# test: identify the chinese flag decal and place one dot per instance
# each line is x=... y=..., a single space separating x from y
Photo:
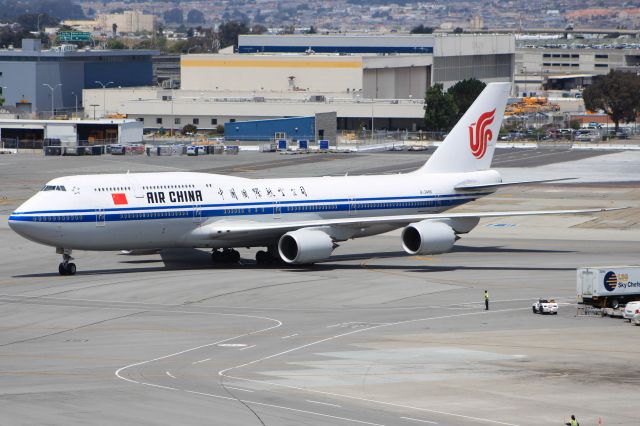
x=119 y=199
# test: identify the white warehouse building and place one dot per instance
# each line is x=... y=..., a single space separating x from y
x=376 y=80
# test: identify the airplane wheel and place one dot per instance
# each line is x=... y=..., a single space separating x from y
x=62 y=270
x=71 y=269
x=234 y=256
x=262 y=257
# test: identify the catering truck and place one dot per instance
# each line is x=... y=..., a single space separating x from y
x=608 y=286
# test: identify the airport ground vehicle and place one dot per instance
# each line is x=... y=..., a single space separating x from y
x=630 y=310
x=545 y=306
x=608 y=286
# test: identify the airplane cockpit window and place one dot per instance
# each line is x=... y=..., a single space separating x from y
x=54 y=188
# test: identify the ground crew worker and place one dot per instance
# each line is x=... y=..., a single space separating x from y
x=486 y=300
x=573 y=421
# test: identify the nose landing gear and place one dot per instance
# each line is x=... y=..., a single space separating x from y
x=66 y=267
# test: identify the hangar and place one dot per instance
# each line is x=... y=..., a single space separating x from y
x=17 y=133
x=378 y=81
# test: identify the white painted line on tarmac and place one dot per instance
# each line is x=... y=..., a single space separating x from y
x=355 y=398
x=323 y=403
x=232 y=345
x=202 y=360
x=170 y=375
x=291 y=335
x=238 y=389
x=419 y=420
x=334 y=325
x=248 y=347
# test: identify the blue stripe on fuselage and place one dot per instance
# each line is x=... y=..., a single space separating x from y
x=242 y=209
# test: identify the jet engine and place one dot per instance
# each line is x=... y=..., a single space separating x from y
x=428 y=237
x=305 y=246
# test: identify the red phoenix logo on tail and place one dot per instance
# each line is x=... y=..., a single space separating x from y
x=480 y=134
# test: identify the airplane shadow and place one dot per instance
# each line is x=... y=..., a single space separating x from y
x=193 y=259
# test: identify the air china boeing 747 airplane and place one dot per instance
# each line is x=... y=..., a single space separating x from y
x=299 y=221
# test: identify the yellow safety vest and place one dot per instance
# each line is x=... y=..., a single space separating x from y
x=486 y=296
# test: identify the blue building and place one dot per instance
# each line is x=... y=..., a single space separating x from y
x=337 y=44
x=32 y=79
x=294 y=129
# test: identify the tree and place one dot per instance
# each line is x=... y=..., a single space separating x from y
x=30 y=21
x=195 y=17
x=617 y=94
x=464 y=93
x=228 y=32
x=115 y=44
x=421 y=29
x=458 y=30
x=312 y=30
x=440 y=109
x=189 y=129
x=259 y=29
x=173 y=16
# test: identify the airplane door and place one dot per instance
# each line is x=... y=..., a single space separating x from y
x=137 y=189
x=352 y=206
x=277 y=209
x=100 y=217
x=197 y=214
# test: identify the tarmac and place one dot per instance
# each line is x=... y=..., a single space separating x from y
x=370 y=337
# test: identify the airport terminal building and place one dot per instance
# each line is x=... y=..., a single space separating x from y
x=367 y=81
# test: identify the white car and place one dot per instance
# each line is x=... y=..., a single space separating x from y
x=545 y=306
x=630 y=310
x=636 y=319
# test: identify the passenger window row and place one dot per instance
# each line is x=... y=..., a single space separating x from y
x=119 y=188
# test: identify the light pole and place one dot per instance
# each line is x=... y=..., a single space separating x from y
x=52 y=88
x=38 y=24
x=74 y=94
x=104 y=96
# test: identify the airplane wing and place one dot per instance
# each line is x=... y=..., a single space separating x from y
x=474 y=187
x=231 y=229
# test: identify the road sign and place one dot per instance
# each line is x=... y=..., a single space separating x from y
x=74 y=36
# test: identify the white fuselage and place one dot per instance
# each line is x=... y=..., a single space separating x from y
x=163 y=210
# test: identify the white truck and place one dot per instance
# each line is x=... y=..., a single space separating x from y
x=608 y=286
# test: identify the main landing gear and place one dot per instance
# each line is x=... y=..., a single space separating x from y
x=268 y=257
x=66 y=267
x=225 y=256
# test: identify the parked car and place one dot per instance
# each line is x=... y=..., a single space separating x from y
x=586 y=137
x=545 y=306
x=118 y=149
x=630 y=310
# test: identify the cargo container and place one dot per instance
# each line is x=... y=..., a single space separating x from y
x=608 y=286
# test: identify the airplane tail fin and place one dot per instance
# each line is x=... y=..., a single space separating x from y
x=470 y=145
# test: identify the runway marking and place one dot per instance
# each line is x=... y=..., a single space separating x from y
x=473 y=418
x=323 y=403
x=168 y=373
x=248 y=347
x=149 y=306
x=419 y=420
x=232 y=345
x=238 y=389
x=201 y=361
x=291 y=335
